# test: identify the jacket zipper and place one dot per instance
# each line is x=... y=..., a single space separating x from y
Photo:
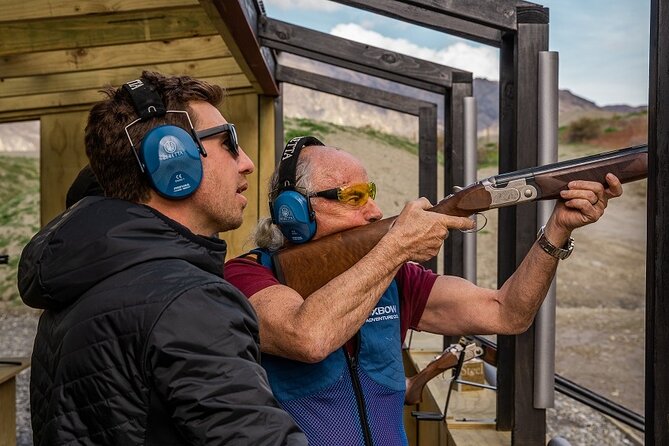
x=352 y=362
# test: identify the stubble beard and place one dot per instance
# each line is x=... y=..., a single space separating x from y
x=230 y=218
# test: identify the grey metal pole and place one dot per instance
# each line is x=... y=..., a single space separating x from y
x=470 y=161
x=544 y=335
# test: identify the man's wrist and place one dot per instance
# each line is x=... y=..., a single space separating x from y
x=391 y=248
x=560 y=253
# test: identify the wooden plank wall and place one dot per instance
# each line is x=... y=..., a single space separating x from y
x=56 y=56
x=62 y=155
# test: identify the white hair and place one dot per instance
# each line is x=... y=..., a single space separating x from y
x=267 y=235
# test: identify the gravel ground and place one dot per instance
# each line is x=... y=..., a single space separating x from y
x=571 y=420
x=17 y=332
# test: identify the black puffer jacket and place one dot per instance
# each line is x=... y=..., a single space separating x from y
x=142 y=341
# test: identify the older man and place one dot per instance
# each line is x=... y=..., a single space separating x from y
x=333 y=365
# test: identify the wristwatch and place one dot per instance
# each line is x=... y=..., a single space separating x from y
x=558 y=253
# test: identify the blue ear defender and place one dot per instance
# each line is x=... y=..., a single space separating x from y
x=172 y=161
x=292 y=213
x=291 y=210
x=168 y=155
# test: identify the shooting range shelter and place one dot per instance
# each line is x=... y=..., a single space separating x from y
x=57 y=55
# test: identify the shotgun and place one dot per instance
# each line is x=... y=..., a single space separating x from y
x=308 y=267
x=445 y=361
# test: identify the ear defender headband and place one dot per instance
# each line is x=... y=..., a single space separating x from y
x=291 y=210
x=168 y=154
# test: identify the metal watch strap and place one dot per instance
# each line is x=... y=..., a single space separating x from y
x=552 y=250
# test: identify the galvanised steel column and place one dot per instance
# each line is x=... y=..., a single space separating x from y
x=544 y=334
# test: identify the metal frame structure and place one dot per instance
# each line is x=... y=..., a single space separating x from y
x=520 y=30
x=452 y=83
x=57 y=55
x=426 y=112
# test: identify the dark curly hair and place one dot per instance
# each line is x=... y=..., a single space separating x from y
x=107 y=145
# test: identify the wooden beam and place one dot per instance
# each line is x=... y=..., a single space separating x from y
x=21 y=105
x=657 y=274
x=13 y=11
x=37 y=113
x=30 y=115
x=83 y=80
x=498 y=14
x=357 y=56
x=354 y=66
x=230 y=19
x=350 y=90
x=108 y=29
x=425 y=17
x=115 y=56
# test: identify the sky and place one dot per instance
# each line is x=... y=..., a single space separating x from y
x=603 y=45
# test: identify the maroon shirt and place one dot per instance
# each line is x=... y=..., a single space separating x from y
x=414 y=284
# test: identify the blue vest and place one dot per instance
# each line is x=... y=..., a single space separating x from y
x=348 y=400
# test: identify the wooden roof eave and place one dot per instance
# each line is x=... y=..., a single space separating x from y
x=237 y=23
x=56 y=60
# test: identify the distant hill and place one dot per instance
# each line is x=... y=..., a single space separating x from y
x=570 y=108
x=19 y=136
x=304 y=103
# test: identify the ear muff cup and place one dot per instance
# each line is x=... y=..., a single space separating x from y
x=172 y=161
x=292 y=213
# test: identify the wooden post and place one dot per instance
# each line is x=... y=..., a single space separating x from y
x=9 y=368
x=454 y=175
x=62 y=155
x=519 y=59
x=427 y=160
x=454 y=171
x=657 y=275
x=242 y=110
x=279 y=135
x=266 y=151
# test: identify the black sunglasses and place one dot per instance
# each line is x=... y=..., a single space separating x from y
x=233 y=142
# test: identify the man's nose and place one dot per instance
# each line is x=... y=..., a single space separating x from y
x=244 y=163
x=372 y=211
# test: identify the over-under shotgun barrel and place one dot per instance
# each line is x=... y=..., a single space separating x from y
x=308 y=267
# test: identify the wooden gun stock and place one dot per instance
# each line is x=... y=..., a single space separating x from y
x=447 y=360
x=308 y=267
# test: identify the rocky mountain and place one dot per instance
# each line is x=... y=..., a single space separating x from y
x=304 y=103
